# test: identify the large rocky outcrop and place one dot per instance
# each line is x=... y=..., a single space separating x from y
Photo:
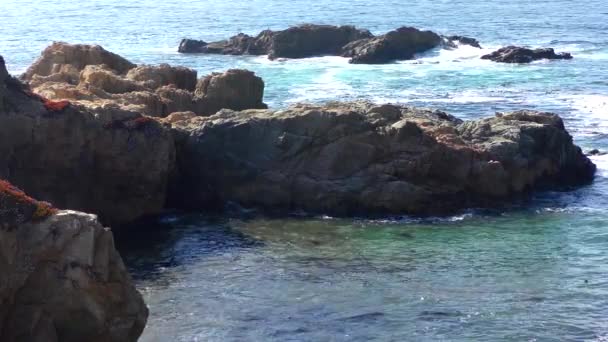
x=400 y=44
x=359 y=158
x=106 y=160
x=62 y=279
x=516 y=54
x=318 y=40
x=102 y=79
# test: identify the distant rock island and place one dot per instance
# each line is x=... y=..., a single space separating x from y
x=360 y=45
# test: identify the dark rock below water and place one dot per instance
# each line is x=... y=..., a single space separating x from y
x=353 y=158
x=62 y=279
x=400 y=44
x=516 y=54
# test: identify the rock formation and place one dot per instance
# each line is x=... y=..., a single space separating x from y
x=98 y=79
x=359 y=158
x=400 y=44
x=516 y=54
x=235 y=89
x=62 y=279
x=310 y=40
x=108 y=161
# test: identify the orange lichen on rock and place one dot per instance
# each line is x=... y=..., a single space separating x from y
x=16 y=207
x=55 y=106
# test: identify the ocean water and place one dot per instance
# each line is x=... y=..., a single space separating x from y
x=536 y=271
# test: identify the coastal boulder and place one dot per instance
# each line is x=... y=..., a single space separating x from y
x=191 y=46
x=234 y=89
x=465 y=41
x=400 y=44
x=361 y=158
x=62 y=278
x=516 y=54
x=156 y=76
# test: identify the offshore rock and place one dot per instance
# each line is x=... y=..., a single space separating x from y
x=360 y=158
x=400 y=44
x=516 y=54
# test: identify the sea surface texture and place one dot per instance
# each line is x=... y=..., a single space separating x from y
x=535 y=271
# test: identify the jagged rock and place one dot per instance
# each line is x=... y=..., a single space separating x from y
x=234 y=89
x=465 y=40
x=62 y=279
x=516 y=54
x=59 y=57
x=105 y=160
x=150 y=90
x=400 y=44
x=359 y=158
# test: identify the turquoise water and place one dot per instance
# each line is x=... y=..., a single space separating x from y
x=533 y=272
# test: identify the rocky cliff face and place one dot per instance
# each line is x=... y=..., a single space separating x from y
x=359 y=158
x=109 y=161
x=62 y=279
x=97 y=79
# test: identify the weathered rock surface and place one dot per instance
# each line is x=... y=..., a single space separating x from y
x=516 y=54
x=107 y=160
x=62 y=279
x=150 y=90
x=318 y=40
x=359 y=158
x=400 y=44
x=235 y=89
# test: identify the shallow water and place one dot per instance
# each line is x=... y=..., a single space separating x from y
x=533 y=272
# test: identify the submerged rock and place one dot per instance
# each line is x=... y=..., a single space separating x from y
x=516 y=54
x=150 y=90
x=62 y=279
x=359 y=158
x=400 y=44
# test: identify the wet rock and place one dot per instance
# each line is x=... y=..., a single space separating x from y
x=191 y=46
x=234 y=89
x=400 y=44
x=516 y=54
x=359 y=158
x=62 y=279
x=465 y=40
x=596 y=152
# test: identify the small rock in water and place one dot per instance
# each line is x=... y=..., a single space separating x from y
x=596 y=152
